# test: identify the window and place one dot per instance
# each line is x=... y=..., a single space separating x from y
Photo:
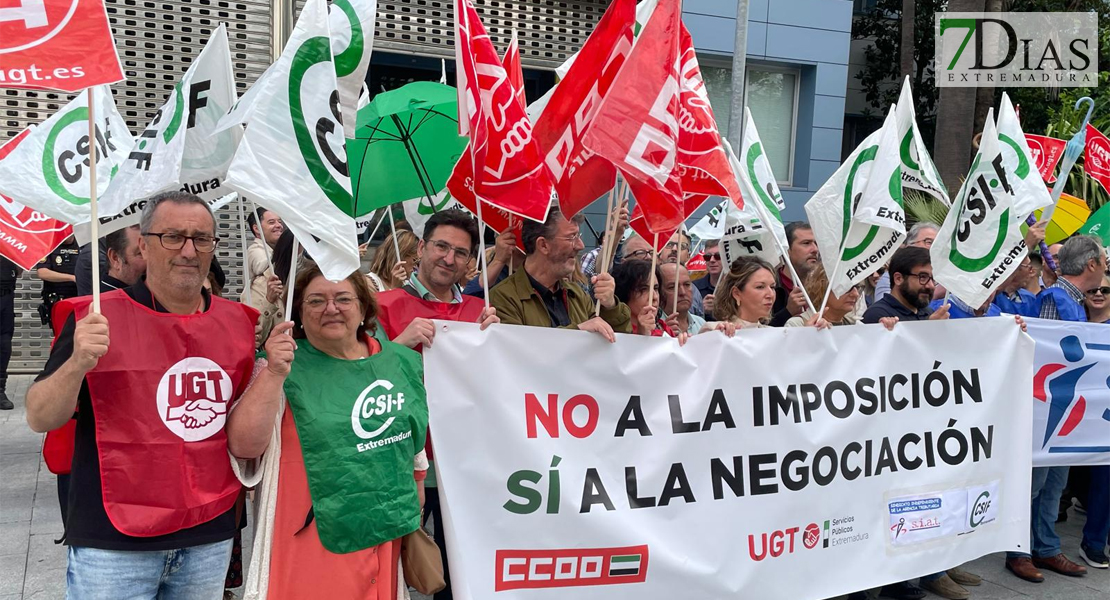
x=772 y=97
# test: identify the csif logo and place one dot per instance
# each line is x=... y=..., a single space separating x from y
x=983 y=187
x=377 y=407
x=860 y=171
x=1037 y=49
x=316 y=118
x=65 y=156
x=980 y=509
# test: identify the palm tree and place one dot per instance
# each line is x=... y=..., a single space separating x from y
x=956 y=120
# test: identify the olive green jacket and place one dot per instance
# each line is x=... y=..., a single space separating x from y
x=518 y=303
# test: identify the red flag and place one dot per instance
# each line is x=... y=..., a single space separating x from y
x=696 y=264
x=639 y=224
x=581 y=176
x=51 y=45
x=1096 y=157
x=506 y=165
x=637 y=125
x=515 y=70
x=26 y=236
x=1046 y=153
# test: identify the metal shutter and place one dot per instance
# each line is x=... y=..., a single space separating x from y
x=156 y=42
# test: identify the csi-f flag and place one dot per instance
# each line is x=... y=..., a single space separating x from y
x=757 y=181
x=292 y=157
x=179 y=148
x=49 y=170
x=352 y=42
x=857 y=215
x=1029 y=190
x=918 y=170
x=980 y=243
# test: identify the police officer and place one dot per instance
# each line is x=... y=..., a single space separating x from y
x=9 y=273
x=57 y=274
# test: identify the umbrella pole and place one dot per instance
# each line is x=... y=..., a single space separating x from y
x=393 y=229
x=405 y=138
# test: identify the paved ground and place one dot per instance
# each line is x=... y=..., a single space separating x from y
x=33 y=567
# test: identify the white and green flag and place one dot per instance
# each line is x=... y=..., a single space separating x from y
x=980 y=244
x=293 y=158
x=859 y=211
x=179 y=149
x=1030 y=192
x=918 y=170
x=352 y=42
x=49 y=170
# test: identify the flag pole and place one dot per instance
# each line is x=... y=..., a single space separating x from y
x=603 y=254
x=836 y=269
x=482 y=248
x=512 y=251
x=94 y=223
x=243 y=244
x=678 y=251
x=654 y=263
x=393 y=231
x=290 y=284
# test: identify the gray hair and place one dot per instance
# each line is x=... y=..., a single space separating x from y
x=1076 y=253
x=915 y=232
x=177 y=197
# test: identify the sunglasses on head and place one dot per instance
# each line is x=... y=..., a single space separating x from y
x=1104 y=290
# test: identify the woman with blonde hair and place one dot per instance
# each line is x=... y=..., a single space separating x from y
x=839 y=310
x=745 y=294
x=386 y=270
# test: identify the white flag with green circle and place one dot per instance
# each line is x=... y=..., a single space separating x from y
x=980 y=244
x=179 y=149
x=352 y=42
x=1030 y=192
x=918 y=170
x=857 y=216
x=293 y=158
x=49 y=170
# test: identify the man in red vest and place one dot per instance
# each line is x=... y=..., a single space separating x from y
x=152 y=493
x=431 y=292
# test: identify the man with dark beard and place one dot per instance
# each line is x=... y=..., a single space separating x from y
x=911 y=274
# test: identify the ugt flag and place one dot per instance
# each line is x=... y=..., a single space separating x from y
x=179 y=148
x=1096 y=156
x=980 y=243
x=858 y=212
x=27 y=235
x=292 y=157
x=918 y=170
x=1071 y=393
x=503 y=165
x=49 y=170
x=1047 y=152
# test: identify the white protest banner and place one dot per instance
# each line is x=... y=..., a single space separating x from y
x=721 y=470
x=49 y=170
x=1071 y=393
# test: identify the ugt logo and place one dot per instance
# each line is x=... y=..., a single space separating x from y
x=1057 y=385
x=193 y=397
x=27 y=23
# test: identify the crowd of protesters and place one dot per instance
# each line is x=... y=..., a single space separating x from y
x=162 y=519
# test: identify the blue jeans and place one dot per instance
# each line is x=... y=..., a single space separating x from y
x=195 y=573
x=1097 y=503
x=1048 y=486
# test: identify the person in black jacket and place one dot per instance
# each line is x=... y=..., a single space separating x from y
x=9 y=274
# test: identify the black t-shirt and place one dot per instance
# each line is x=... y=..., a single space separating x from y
x=87 y=523
x=555 y=301
x=62 y=260
x=9 y=273
x=889 y=306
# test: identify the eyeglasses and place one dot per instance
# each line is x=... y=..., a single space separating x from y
x=442 y=248
x=709 y=257
x=674 y=245
x=343 y=303
x=571 y=238
x=1104 y=290
x=638 y=255
x=923 y=278
x=176 y=241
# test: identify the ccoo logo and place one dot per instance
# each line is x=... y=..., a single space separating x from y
x=193 y=397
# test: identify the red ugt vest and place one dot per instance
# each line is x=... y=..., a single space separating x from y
x=160 y=399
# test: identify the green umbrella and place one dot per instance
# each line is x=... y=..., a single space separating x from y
x=406 y=144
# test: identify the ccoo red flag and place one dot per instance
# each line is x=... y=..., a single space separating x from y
x=515 y=70
x=27 y=234
x=1046 y=153
x=506 y=167
x=1096 y=157
x=581 y=176
x=639 y=224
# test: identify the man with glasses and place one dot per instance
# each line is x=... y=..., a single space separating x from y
x=911 y=272
x=542 y=294
x=432 y=292
x=152 y=492
x=706 y=285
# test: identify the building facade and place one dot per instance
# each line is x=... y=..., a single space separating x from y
x=797 y=74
